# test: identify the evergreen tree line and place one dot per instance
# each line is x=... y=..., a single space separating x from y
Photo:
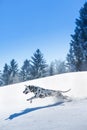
x=34 y=68
x=77 y=56
x=76 y=59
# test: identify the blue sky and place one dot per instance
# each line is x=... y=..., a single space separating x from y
x=26 y=25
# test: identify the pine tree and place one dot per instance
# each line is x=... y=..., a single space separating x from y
x=13 y=71
x=1 y=79
x=38 y=65
x=77 y=56
x=60 y=67
x=6 y=75
x=26 y=70
x=51 y=69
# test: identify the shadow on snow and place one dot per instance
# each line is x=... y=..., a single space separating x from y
x=31 y=110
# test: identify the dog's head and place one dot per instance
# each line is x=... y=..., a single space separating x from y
x=27 y=89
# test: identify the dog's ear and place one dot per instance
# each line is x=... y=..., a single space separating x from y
x=29 y=86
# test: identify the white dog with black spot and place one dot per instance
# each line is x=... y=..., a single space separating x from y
x=42 y=93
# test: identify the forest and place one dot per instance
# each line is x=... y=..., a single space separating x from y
x=37 y=67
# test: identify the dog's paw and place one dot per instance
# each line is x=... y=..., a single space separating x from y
x=27 y=99
x=30 y=101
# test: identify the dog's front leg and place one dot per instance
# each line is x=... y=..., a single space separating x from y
x=30 y=99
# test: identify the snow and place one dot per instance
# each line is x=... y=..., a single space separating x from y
x=49 y=113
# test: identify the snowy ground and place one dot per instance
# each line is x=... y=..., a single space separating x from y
x=49 y=113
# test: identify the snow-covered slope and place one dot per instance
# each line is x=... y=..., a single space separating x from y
x=49 y=113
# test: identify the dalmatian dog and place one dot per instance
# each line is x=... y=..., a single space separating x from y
x=42 y=93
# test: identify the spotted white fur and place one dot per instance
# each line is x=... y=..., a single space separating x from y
x=42 y=93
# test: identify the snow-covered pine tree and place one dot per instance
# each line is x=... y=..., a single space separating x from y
x=13 y=72
x=77 y=56
x=38 y=65
x=51 y=69
x=57 y=67
x=25 y=73
x=1 y=79
x=60 y=67
x=6 y=75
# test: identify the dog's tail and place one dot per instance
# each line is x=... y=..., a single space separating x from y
x=65 y=91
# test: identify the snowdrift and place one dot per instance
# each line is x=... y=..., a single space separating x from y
x=13 y=94
x=77 y=82
x=18 y=114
